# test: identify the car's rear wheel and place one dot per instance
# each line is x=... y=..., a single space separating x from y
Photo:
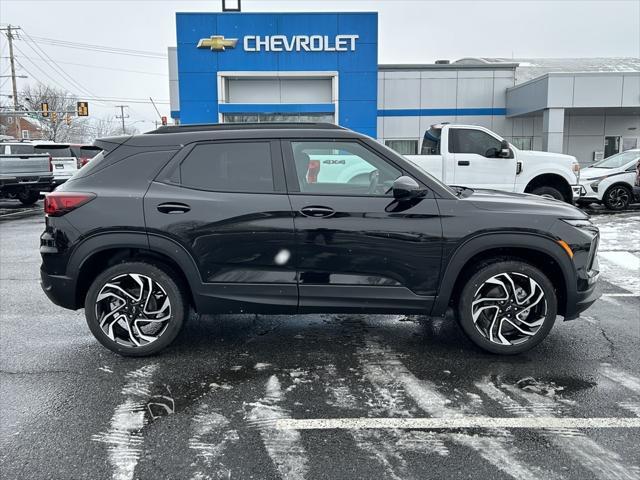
x=617 y=197
x=28 y=197
x=507 y=307
x=136 y=308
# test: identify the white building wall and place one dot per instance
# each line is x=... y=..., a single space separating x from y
x=441 y=89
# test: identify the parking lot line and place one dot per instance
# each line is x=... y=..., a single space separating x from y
x=454 y=423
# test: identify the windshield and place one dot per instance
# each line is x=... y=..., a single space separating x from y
x=618 y=160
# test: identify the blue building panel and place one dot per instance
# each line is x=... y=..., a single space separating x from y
x=355 y=60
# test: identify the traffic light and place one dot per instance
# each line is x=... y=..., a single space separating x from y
x=68 y=119
x=83 y=109
x=164 y=120
x=44 y=108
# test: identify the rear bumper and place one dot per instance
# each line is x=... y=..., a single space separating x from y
x=59 y=289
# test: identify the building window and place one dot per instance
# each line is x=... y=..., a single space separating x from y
x=522 y=143
x=25 y=134
x=611 y=146
x=403 y=147
x=277 y=117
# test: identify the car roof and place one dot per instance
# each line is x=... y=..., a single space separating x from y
x=184 y=134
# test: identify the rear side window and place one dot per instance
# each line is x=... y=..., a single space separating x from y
x=229 y=167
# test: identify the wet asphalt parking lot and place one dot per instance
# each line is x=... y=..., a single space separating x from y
x=318 y=396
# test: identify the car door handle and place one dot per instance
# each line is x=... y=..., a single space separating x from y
x=317 y=211
x=464 y=163
x=173 y=208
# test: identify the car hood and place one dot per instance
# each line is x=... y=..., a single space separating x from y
x=531 y=155
x=591 y=172
x=499 y=201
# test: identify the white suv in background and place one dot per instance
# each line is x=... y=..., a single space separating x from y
x=610 y=181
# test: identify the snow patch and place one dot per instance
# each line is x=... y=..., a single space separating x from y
x=124 y=436
x=283 y=446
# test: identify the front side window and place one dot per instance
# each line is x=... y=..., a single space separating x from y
x=466 y=140
x=341 y=168
x=229 y=167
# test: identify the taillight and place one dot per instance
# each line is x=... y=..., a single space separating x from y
x=313 y=171
x=57 y=204
x=82 y=161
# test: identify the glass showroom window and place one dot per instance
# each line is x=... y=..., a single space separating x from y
x=403 y=147
x=278 y=117
x=522 y=143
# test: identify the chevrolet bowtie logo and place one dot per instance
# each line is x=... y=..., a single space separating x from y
x=217 y=43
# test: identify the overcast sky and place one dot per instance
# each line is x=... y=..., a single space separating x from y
x=410 y=31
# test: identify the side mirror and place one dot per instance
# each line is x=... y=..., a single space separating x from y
x=405 y=188
x=505 y=151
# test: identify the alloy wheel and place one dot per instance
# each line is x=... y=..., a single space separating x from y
x=133 y=309
x=618 y=197
x=509 y=308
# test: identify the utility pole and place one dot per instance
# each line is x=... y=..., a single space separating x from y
x=122 y=116
x=13 y=78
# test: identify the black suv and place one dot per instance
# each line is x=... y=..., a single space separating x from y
x=302 y=218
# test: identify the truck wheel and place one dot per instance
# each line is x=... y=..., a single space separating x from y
x=507 y=307
x=136 y=308
x=617 y=197
x=549 y=192
x=28 y=197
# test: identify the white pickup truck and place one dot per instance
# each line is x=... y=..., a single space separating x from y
x=475 y=157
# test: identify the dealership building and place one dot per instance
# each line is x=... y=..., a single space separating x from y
x=255 y=67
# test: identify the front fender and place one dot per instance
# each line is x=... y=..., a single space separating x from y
x=484 y=242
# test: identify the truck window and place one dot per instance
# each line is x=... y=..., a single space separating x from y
x=431 y=142
x=467 y=140
x=25 y=149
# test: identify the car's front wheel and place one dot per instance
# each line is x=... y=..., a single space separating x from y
x=507 y=307
x=136 y=308
x=617 y=197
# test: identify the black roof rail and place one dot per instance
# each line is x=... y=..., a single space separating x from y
x=202 y=127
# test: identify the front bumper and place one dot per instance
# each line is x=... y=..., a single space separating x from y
x=636 y=194
x=577 y=191
x=59 y=289
x=584 y=300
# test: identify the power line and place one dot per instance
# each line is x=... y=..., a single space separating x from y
x=40 y=52
x=100 y=48
x=100 y=67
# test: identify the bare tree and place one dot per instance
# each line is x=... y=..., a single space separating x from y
x=55 y=127
x=109 y=127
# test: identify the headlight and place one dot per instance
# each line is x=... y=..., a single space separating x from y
x=576 y=169
x=578 y=223
x=584 y=225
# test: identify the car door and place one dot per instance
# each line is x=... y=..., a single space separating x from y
x=477 y=163
x=357 y=247
x=225 y=203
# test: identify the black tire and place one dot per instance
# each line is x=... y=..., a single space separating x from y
x=617 y=197
x=549 y=192
x=28 y=197
x=520 y=272
x=171 y=288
